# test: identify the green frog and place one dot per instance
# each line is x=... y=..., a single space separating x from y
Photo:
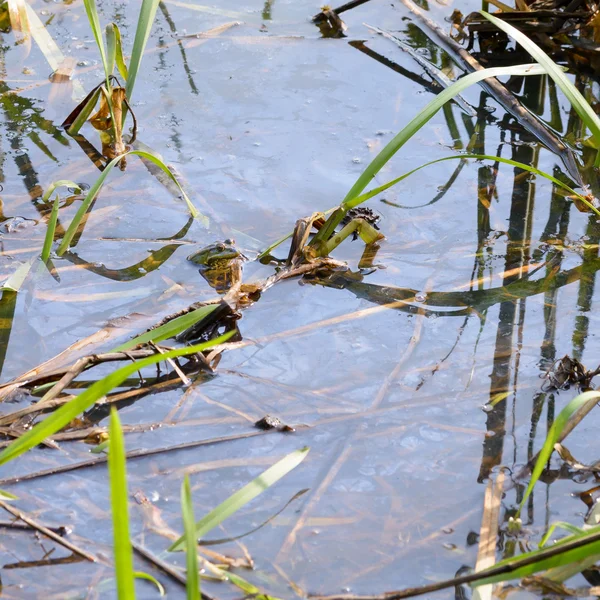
x=220 y=264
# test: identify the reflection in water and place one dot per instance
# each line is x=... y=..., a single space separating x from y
x=140 y=269
x=385 y=430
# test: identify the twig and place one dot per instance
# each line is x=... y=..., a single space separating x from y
x=184 y=378
x=448 y=583
x=47 y=532
x=129 y=455
x=78 y=367
x=61 y=530
x=39 y=378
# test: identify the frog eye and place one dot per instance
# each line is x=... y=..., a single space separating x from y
x=230 y=242
x=220 y=247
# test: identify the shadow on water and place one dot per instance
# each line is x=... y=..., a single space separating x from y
x=370 y=365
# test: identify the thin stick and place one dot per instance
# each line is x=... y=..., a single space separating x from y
x=61 y=530
x=184 y=378
x=448 y=583
x=129 y=455
x=47 y=532
x=78 y=367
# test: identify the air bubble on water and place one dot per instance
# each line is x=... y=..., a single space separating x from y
x=98 y=265
x=420 y=297
x=356 y=161
x=487 y=408
x=448 y=530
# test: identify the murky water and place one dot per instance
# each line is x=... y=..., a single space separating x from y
x=266 y=123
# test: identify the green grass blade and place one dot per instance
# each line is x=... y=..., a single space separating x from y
x=148 y=577
x=121 y=66
x=245 y=495
x=553 y=435
x=57 y=184
x=92 y=15
x=371 y=193
x=120 y=510
x=84 y=114
x=50 y=231
x=95 y=189
x=115 y=50
x=412 y=128
x=4 y=495
x=574 y=96
x=66 y=413
x=570 y=528
x=145 y=21
x=427 y=113
x=191 y=549
x=170 y=329
x=111 y=48
x=559 y=554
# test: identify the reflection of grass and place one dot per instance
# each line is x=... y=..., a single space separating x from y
x=114 y=104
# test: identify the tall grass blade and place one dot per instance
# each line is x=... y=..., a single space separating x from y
x=375 y=191
x=559 y=524
x=114 y=37
x=111 y=48
x=243 y=496
x=51 y=230
x=170 y=329
x=145 y=21
x=93 y=191
x=92 y=15
x=553 y=436
x=191 y=549
x=66 y=413
x=120 y=510
x=411 y=129
x=427 y=113
x=574 y=96
x=82 y=112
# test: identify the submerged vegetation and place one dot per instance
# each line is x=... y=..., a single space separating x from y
x=63 y=392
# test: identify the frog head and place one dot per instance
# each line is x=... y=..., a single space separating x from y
x=215 y=254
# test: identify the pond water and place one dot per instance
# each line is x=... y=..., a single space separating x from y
x=266 y=123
